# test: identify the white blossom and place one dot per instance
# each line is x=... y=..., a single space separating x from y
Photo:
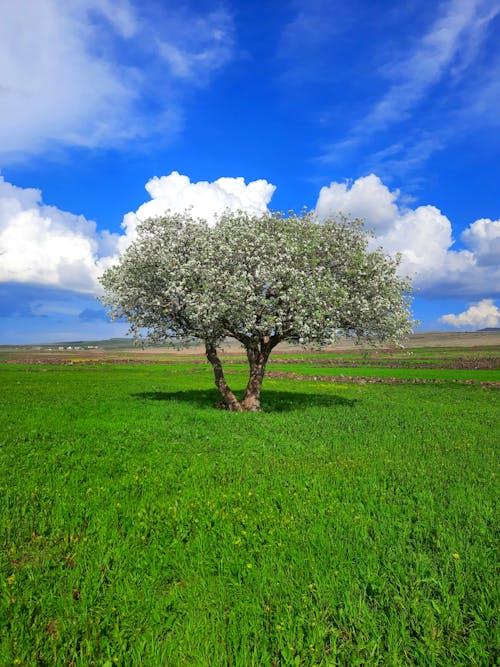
x=260 y=279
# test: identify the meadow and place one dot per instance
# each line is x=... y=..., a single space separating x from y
x=347 y=524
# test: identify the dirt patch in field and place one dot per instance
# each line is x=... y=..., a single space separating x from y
x=475 y=341
x=351 y=379
x=453 y=364
x=61 y=361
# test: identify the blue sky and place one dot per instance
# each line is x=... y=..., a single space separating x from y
x=386 y=110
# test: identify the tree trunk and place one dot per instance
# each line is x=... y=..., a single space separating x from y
x=257 y=358
x=230 y=401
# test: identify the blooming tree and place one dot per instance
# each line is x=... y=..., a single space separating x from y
x=261 y=279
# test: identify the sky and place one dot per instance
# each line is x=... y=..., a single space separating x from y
x=112 y=111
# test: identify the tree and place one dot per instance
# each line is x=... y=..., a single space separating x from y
x=261 y=279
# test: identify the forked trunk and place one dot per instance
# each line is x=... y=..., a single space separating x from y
x=230 y=402
x=257 y=359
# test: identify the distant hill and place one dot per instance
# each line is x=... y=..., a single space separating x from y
x=487 y=336
x=108 y=344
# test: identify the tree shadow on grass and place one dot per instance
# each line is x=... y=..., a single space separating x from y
x=272 y=401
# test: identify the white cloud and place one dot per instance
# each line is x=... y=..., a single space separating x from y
x=121 y=15
x=450 y=44
x=54 y=89
x=197 y=46
x=176 y=193
x=478 y=316
x=423 y=236
x=66 y=77
x=44 y=245
x=483 y=236
x=457 y=53
x=366 y=198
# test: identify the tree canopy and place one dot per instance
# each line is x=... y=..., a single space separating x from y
x=261 y=279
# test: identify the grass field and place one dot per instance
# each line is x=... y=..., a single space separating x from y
x=344 y=525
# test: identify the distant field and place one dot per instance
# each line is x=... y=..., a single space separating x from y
x=120 y=348
x=347 y=524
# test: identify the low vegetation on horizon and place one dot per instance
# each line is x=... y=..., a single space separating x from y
x=349 y=523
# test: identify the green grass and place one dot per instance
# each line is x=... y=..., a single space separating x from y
x=436 y=354
x=345 y=525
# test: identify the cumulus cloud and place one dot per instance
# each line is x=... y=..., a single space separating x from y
x=423 y=236
x=44 y=245
x=365 y=198
x=483 y=236
x=67 y=79
x=478 y=316
x=177 y=193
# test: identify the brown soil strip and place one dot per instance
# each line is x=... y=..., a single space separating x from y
x=461 y=363
x=455 y=364
x=58 y=361
x=374 y=380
